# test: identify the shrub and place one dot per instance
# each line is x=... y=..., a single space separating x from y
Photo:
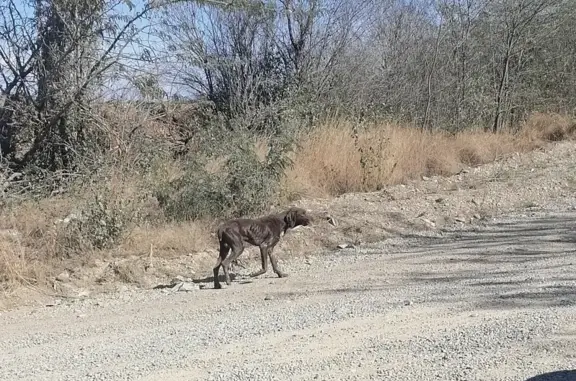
x=243 y=184
x=101 y=224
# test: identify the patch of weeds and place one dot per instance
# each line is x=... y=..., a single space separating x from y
x=101 y=224
x=126 y=272
x=470 y=157
x=502 y=175
x=371 y=156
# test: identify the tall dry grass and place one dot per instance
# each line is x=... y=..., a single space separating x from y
x=14 y=267
x=17 y=264
x=339 y=158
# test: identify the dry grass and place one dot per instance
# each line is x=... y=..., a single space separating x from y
x=172 y=239
x=15 y=268
x=35 y=223
x=30 y=248
x=333 y=160
x=541 y=128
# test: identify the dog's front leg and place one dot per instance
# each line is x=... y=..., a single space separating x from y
x=264 y=260
x=278 y=272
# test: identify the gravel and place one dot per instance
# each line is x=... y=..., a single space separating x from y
x=492 y=302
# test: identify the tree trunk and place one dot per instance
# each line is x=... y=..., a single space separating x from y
x=502 y=85
x=425 y=122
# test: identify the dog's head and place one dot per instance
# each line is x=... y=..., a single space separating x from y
x=296 y=217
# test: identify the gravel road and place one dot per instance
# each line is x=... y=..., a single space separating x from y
x=494 y=302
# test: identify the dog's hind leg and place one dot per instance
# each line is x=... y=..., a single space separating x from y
x=237 y=249
x=224 y=250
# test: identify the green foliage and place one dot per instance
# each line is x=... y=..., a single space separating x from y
x=101 y=225
x=197 y=194
x=244 y=185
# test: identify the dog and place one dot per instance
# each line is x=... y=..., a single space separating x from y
x=264 y=232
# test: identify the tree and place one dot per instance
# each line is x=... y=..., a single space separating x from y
x=253 y=58
x=53 y=53
x=517 y=17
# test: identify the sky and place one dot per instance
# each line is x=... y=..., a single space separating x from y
x=117 y=87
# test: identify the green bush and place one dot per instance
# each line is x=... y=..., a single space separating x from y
x=197 y=194
x=245 y=185
x=101 y=224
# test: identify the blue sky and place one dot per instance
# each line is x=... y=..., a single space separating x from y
x=135 y=49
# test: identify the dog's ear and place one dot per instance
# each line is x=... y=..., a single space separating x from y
x=290 y=218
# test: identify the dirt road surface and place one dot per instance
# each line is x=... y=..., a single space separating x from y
x=493 y=302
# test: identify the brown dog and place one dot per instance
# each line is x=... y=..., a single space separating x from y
x=264 y=232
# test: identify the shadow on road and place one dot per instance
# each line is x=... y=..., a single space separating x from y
x=562 y=375
x=506 y=263
x=530 y=263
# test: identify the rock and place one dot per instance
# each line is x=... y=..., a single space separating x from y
x=458 y=219
x=477 y=216
x=345 y=246
x=70 y=217
x=407 y=302
x=332 y=221
x=268 y=297
x=64 y=276
x=185 y=287
x=428 y=222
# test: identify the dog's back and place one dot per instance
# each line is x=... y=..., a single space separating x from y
x=252 y=231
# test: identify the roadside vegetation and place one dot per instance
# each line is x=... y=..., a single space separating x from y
x=126 y=124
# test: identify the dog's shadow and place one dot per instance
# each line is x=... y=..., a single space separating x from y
x=206 y=283
x=209 y=280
